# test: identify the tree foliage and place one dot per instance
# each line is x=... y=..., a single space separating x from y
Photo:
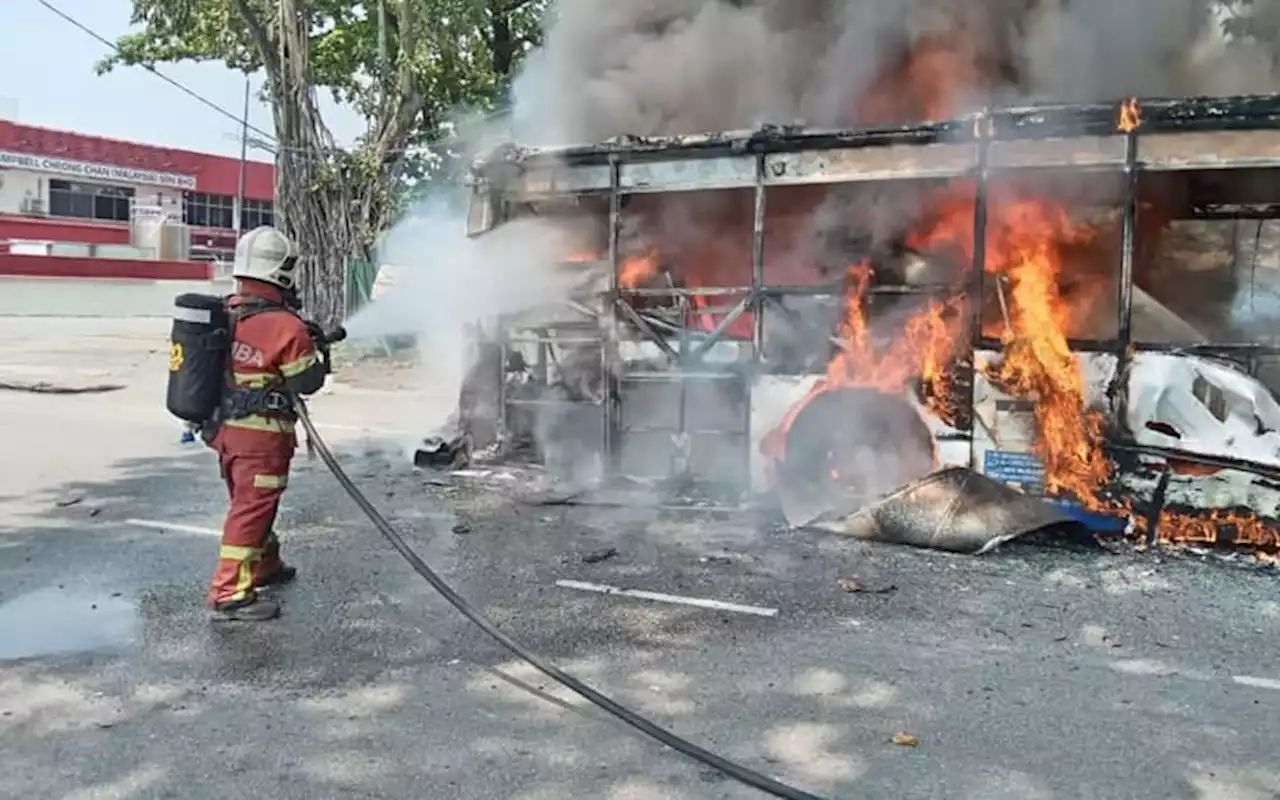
x=406 y=66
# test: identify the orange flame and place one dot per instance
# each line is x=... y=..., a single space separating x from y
x=1130 y=116
x=1208 y=529
x=637 y=270
x=1038 y=363
x=922 y=350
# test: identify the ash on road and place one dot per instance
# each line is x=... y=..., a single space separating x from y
x=1032 y=673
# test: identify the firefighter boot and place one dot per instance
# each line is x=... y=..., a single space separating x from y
x=270 y=571
x=250 y=609
x=280 y=576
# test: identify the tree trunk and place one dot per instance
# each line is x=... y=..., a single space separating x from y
x=308 y=199
x=329 y=201
x=501 y=42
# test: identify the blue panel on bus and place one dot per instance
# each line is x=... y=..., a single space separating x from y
x=1024 y=471
x=1021 y=469
x=1098 y=523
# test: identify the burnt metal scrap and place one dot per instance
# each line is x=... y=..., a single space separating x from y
x=954 y=509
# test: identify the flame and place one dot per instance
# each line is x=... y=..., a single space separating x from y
x=1025 y=249
x=1207 y=529
x=1026 y=240
x=637 y=270
x=1130 y=116
x=922 y=350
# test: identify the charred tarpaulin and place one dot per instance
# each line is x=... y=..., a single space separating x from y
x=693 y=347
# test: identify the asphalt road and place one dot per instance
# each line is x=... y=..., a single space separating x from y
x=1031 y=673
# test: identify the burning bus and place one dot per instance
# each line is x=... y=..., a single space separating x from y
x=1079 y=302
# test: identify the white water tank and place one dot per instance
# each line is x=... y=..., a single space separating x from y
x=160 y=233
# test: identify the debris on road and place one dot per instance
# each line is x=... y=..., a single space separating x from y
x=851 y=586
x=436 y=451
x=44 y=387
x=69 y=500
x=596 y=556
x=904 y=739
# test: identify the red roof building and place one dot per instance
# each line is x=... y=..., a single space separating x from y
x=80 y=197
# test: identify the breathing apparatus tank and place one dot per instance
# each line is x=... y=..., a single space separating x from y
x=199 y=349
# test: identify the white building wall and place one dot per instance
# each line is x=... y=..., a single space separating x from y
x=90 y=297
x=23 y=192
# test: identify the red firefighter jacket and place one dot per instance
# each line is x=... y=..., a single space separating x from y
x=272 y=350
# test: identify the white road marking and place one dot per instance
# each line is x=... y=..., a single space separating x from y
x=1257 y=683
x=719 y=605
x=173 y=527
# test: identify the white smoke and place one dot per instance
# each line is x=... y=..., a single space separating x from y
x=446 y=282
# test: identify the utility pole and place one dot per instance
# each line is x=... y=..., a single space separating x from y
x=244 y=155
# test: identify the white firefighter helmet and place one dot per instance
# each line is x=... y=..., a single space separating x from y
x=265 y=254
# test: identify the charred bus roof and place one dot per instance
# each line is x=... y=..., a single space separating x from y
x=1185 y=135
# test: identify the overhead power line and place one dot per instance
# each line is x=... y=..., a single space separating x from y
x=148 y=67
x=272 y=145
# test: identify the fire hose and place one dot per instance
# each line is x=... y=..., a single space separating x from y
x=733 y=770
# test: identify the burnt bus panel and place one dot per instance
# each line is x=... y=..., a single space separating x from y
x=684 y=426
x=558 y=179
x=688 y=174
x=1210 y=150
x=716 y=406
x=887 y=162
x=1080 y=151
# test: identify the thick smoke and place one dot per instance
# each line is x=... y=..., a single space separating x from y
x=650 y=67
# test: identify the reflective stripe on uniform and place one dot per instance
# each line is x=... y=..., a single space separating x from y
x=234 y=552
x=252 y=379
x=246 y=558
x=299 y=366
x=257 y=422
x=270 y=481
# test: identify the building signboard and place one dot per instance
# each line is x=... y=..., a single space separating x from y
x=90 y=171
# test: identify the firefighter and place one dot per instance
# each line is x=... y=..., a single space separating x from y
x=275 y=356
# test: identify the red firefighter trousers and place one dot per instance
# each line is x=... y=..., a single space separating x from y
x=249 y=550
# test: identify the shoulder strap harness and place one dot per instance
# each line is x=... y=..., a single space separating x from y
x=239 y=402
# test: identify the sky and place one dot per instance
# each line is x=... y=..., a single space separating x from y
x=48 y=80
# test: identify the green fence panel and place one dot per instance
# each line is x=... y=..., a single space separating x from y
x=361 y=274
